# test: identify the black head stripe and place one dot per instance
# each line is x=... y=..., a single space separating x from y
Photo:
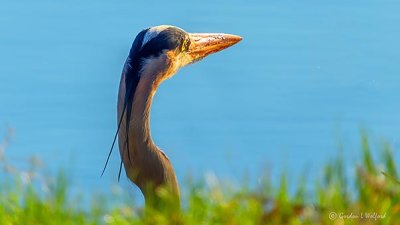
x=137 y=44
x=168 y=39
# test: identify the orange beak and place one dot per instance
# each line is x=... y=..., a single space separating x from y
x=203 y=44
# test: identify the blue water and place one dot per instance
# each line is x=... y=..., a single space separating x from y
x=305 y=78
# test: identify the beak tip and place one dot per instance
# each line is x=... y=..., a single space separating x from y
x=236 y=38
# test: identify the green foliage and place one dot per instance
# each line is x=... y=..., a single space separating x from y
x=374 y=191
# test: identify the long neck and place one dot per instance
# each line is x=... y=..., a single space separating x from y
x=150 y=168
x=150 y=79
x=140 y=124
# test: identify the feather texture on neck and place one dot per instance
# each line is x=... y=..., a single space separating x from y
x=146 y=165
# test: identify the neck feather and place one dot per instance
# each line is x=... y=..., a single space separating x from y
x=149 y=165
x=140 y=123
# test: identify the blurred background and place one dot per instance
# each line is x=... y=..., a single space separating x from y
x=304 y=80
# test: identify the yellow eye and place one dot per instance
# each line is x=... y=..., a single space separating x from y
x=185 y=45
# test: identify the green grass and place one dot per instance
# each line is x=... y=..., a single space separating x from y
x=373 y=191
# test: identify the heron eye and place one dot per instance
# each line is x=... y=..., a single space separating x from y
x=185 y=45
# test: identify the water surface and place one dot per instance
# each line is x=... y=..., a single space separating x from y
x=306 y=77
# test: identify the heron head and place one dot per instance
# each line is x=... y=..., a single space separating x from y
x=168 y=48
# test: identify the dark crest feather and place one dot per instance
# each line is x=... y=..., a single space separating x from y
x=131 y=70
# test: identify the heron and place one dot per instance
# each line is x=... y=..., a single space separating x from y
x=156 y=54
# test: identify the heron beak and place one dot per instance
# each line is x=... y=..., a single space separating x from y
x=203 y=44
